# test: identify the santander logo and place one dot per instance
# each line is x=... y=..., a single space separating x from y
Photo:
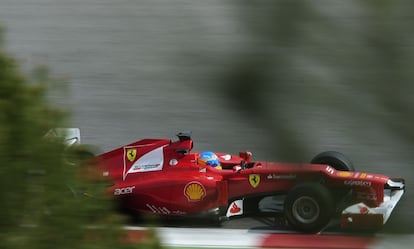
x=234 y=208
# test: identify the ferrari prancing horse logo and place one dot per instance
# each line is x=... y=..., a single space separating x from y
x=131 y=154
x=254 y=180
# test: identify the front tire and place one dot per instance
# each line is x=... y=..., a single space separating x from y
x=335 y=159
x=309 y=207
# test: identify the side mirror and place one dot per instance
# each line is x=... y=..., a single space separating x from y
x=184 y=135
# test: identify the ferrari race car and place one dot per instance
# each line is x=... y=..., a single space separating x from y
x=163 y=177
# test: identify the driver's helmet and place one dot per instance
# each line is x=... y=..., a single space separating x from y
x=209 y=158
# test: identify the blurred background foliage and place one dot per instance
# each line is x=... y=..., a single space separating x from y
x=42 y=194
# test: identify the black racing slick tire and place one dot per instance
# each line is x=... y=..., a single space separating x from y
x=309 y=207
x=335 y=159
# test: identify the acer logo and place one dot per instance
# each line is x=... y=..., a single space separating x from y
x=122 y=191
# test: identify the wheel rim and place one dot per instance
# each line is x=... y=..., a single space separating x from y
x=305 y=210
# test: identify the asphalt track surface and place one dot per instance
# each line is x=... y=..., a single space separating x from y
x=244 y=238
x=264 y=233
x=261 y=223
x=130 y=69
x=247 y=238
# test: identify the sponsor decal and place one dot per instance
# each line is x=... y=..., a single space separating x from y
x=178 y=212
x=363 y=209
x=344 y=174
x=358 y=183
x=150 y=161
x=131 y=154
x=275 y=176
x=330 y=170
x=158 y=210
x=194 y=191
x=163 y=210
x=254 y=180
x=366 y=196
x=381 y=178
x=363 y=175
x=235 y=208
x=123 y=191
x=145 y=167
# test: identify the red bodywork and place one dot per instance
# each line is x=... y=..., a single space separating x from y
x=161 y=176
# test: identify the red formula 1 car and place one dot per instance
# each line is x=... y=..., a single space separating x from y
x=163 y=177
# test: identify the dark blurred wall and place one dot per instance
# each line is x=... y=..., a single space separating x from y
x=328 y=65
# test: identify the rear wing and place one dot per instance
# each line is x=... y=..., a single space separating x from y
x=71 y=136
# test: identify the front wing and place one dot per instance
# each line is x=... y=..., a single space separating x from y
x=361 y=216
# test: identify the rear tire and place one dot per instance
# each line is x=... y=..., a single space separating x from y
x=309 y=207
x=335 y=159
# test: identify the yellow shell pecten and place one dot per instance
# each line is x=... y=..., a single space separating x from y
x=194 y=191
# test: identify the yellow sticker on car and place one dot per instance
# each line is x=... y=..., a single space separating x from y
x=344 y=173
x=194 y=191
x=254 y=180
x=131 y=154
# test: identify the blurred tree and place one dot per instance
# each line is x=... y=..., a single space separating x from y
x=42 y=201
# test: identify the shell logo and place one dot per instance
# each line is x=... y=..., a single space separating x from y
x=194 y=191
